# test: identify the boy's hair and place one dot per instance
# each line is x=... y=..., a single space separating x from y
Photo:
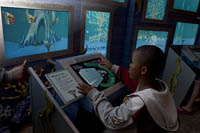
x=152 y=57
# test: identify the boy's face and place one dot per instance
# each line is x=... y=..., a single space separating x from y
x=135 y=66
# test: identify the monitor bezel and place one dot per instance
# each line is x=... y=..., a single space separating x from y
x=36 y=5
x=83 y=18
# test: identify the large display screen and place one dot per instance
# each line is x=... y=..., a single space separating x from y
x=186 y=5
x=33 y=31
x=156 y=9
x=149 y=37
x=96 y=31
x=185 y=33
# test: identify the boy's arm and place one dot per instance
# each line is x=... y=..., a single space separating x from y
x=123 y=75
x=115 y=117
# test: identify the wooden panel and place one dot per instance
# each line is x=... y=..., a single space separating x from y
x=60 y=121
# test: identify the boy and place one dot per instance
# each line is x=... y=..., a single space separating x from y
x=151 y=107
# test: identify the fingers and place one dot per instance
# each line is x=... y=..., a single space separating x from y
x=25 y=62
x=82 y=91
x=22 y=66
x=102 y=62
x=79 y=87
x=84 y=88
x=105 y=63
x=83 y=85
x=22 y=70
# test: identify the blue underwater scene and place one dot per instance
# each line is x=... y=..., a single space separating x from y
x=185 y=33
x=147 y=37
x=96 y=31
x=186 y=5
x=33 y=31
x=156 y=9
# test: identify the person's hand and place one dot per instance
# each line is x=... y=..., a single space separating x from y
x=18 y=72
x=106 y=63
x=84 y=88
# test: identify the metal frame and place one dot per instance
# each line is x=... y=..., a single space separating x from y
x=36 y=5
x=84 y=9
x=164 y=21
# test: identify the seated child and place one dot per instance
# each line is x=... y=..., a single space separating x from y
x=151 y=107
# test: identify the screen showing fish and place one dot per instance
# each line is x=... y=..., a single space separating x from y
x=33 y=31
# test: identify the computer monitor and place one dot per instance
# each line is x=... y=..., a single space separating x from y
x=186 y=5
x=152 y=36
x=185 y=33
x=34 y=31
x=96 y=30
x=155 y=11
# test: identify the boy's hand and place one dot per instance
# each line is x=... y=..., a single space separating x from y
x=18 y=72
x=106 y=63
x=84 y=88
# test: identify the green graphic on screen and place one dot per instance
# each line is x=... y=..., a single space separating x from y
x=96 y=31
x=156 y=9
x=147 y=37
x=185 y=33
x=186 y=5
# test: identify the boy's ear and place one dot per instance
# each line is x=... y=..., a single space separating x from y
x=144 y=70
